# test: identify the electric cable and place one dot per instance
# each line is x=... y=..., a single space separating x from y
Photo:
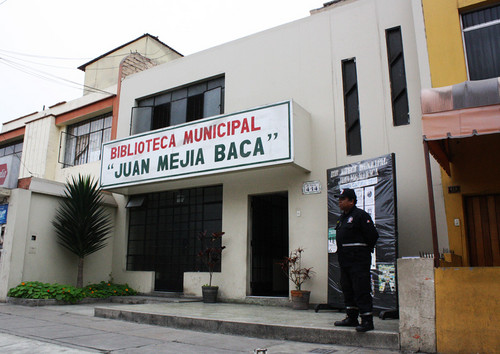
x=37 y=63
x=49 y=77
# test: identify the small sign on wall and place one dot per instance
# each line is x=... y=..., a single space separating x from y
x=453 y=189
x=311 y=187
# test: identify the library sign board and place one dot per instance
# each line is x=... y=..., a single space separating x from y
x=248 y=139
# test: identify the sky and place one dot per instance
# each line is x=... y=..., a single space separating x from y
x=42 y=43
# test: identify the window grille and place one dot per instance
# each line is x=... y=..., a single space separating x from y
x=164 y=228
x=83 y=141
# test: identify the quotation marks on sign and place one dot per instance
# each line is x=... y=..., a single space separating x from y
x=270 y=136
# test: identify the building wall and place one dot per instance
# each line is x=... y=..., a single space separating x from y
x=15 y=241
x=448 y=67
x=40 y=148
x=104 y=72
x=302 y=61
x=467 y=323
x=417 y=305
x=444 y=41
x=63 y=265
x=477 y=172
x=31 y=251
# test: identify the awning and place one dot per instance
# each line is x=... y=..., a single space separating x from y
x=463 y=110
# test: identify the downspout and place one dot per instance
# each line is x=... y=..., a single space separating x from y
x=432 y=207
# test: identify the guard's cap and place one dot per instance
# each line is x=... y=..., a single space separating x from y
x=348 y=193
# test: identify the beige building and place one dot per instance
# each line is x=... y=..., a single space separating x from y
x=42 y=150
x=228 y=139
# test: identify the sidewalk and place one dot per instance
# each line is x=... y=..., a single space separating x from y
x=74 y=329
x=272 y=322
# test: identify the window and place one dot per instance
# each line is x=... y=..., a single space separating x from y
x=164 y=228
x=397 y=75
x=84 y=140
x=11 y=149
x=179 y=106
x=351 y=107
x=481 y=32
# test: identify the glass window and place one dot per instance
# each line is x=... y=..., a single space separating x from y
x=397 y=75
x=187 y=104
x=84 y=140
x=481 y=33
x=11 y=149
x=164 y=229
x=351 y=107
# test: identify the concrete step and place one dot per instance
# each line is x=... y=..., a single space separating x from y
x=256 y=321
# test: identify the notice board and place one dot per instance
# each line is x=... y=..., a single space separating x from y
x=374 y=182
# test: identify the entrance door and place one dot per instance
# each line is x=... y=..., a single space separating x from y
x=483 y=229
x=269 y=244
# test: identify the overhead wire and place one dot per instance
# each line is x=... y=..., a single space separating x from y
x=41 y=56
x=37 y=63
x=48 y=76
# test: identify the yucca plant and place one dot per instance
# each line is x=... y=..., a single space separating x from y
x=81 y=222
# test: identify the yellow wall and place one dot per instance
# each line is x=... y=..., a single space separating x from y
x=444 y=39
x=447 y=65
x=444 y=42
x=468 y=304
x=477 y=171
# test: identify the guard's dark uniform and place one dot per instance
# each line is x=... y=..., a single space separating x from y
x=356 y=238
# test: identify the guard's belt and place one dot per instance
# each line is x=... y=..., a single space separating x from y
x=354 y=244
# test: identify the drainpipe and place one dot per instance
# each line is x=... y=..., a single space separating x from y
x=432 y=207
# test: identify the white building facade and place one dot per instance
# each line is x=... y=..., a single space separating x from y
x=226 y=140
x=258 y=198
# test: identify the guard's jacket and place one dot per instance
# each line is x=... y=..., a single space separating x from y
x=356 y=237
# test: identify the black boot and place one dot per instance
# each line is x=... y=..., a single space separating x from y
x=347 y=322
x=350 y=321
x=366 y=324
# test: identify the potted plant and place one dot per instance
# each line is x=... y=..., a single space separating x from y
x=292 y=267
x=211 y=256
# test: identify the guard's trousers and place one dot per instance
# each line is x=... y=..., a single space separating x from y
x=356 y=286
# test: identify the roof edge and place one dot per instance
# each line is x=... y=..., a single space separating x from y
x=82 y=67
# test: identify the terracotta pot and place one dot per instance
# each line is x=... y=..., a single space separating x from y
x=300 y=299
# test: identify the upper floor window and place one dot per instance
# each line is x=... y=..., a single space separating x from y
x=397 y=75
x=481 y=31
x=186 y=104
x=351 y=107
x=11 y=149
x=84 y=140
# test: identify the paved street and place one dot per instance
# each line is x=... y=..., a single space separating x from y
x=73 y=329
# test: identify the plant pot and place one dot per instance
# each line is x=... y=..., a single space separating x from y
x=300 y=299
x=209 y=294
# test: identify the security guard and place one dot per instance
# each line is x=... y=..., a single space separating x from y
x=356 y=238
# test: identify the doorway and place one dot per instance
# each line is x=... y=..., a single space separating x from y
x=269 y=244
x=483 y=229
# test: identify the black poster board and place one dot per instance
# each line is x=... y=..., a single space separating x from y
x=374 y=181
